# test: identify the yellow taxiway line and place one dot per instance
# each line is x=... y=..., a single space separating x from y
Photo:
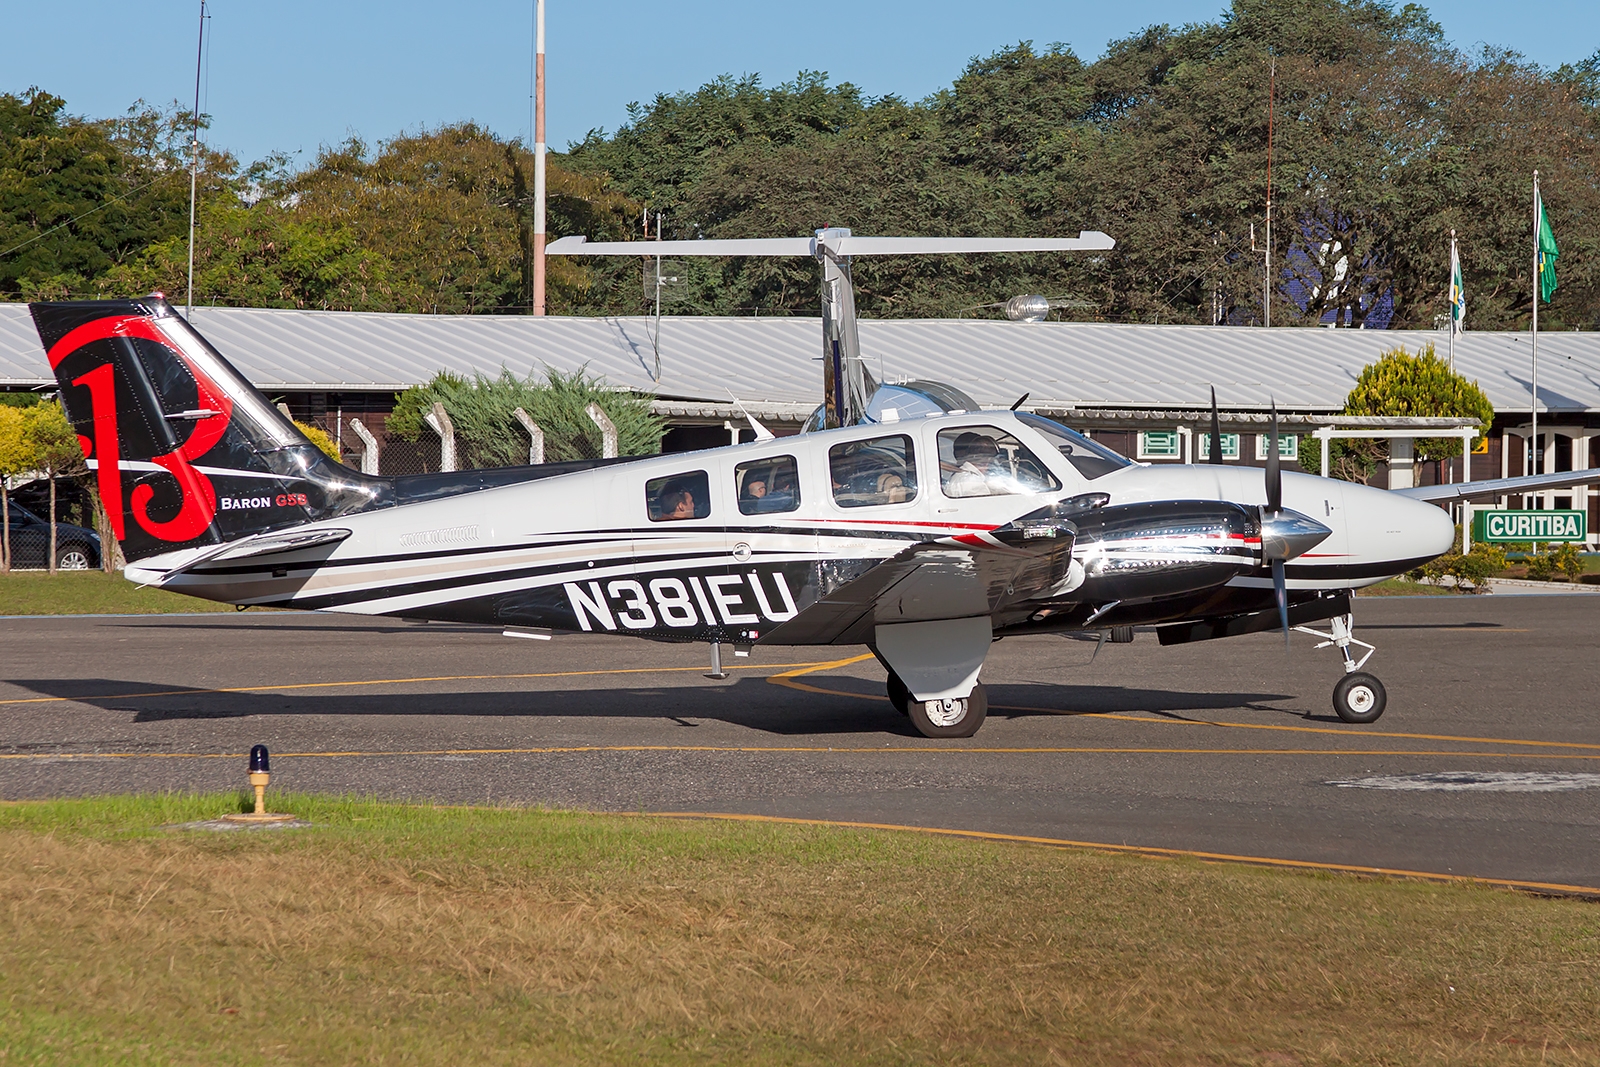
x=1145 y=850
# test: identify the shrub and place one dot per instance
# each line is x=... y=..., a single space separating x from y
x=487 y=434
x=1542 y=566
x=1568 y=560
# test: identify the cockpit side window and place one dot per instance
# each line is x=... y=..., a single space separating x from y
x=678 y=497
x=767 y=486
x=986 y=461
x=1089 y=458
x=879 y=470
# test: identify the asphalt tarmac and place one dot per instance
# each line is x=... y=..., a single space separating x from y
x=1488 y=756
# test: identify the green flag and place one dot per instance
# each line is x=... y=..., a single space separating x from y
x=1547 y=256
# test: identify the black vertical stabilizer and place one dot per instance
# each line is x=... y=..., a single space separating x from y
x=185 y=451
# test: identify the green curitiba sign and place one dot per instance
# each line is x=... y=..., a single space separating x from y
x=1530 y=526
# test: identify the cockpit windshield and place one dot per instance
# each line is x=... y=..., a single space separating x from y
x=1090 y=459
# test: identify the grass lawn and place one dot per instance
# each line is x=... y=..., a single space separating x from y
x=90 y=593
x=393 y=934
x=1406 y=587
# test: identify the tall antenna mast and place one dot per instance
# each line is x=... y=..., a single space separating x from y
x=538 y=159
x=194 y=153
x=1266 y=281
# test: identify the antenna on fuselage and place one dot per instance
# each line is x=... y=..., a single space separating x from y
x=846 y=384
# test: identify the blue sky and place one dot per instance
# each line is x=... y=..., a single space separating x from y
x=294 y=74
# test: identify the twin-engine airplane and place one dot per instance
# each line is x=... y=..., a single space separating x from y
x=904 y=519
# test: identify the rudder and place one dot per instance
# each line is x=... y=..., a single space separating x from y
x=185 y=452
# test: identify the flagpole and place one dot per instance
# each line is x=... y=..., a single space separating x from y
x=1536 y=209
x=1452 y=292
x=538 y=161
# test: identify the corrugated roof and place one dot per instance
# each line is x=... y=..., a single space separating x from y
x=774 y=361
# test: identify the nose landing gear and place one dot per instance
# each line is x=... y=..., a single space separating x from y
x=1359 y=697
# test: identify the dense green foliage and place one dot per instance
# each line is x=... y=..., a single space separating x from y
x=488 y=434
x=1385 y=138
x=1400 y=384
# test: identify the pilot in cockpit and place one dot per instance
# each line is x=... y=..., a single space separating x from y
x=980 y=470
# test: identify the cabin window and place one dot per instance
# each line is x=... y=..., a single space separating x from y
x=1089 y=458
x=879 y=470
x=767 y=486
x=985 y=461
x=678 y=497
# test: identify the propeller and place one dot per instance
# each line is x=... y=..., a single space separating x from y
x=1274 y=510
x=1216 y=429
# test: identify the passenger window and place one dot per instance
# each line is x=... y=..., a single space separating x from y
x=985 y=461
x=678 y=496
x=880 y=470
x=767 y=486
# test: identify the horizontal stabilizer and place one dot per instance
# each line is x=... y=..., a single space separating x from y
x=261 y=545
x=1531 y=483
x=1086 y=241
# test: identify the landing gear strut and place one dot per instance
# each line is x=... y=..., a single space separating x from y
x=1359 y=697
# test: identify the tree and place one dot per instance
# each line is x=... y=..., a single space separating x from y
x=1399 y=384
x=78 y=197
x=488 y=434
x=15 y=455
x=55 y=451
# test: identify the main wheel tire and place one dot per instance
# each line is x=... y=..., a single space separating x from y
x=951 y=718
x=1359 y=697
x=72 y=558
x=899 y=695
x=1122 y=635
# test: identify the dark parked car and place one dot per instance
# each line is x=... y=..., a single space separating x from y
x=77 y=549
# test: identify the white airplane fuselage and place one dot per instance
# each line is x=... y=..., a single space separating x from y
x=583 y=551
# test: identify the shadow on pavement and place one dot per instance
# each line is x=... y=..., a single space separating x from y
x=850 y=705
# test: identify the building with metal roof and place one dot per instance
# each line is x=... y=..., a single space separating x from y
x=1139 y=387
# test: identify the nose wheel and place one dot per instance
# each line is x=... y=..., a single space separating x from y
x=1359 y=697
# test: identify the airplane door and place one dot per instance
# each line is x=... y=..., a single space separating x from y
x=770 y=541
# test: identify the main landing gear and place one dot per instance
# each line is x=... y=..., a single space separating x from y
x=957 y=717
x=1359 y=697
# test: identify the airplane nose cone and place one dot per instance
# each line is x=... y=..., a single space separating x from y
x=1287 y=534
x=1429 y=528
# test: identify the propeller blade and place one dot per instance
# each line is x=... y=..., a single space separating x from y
x=1282 y=591
x=1274 y=470
x=1216 y=429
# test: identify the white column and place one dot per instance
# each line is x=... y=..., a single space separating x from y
x=439 y=420
x=1325 y=434
x=608 y=431
x=1401 y=475
x=369 y=447
x=535 y=437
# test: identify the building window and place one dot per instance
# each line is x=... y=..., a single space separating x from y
x=1158 y=444
x=1288 y=446
x=1202 y=446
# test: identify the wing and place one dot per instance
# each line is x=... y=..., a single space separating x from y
x=1087 y=240
x=951 y=578
x=1531 y=483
